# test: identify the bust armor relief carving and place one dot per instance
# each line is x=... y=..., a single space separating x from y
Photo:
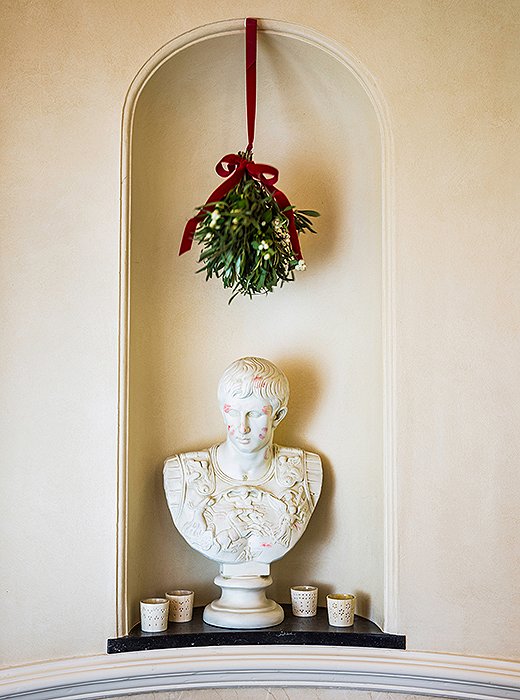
x=245 y=502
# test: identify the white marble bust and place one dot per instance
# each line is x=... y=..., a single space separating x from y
x=245 y=500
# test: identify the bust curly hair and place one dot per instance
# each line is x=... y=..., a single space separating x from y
x=255 y=376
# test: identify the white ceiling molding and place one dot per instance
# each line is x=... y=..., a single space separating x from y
x=445 y=675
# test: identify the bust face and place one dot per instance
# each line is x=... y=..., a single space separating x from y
x=250 y=422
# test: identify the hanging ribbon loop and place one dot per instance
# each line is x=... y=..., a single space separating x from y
x=251 y=40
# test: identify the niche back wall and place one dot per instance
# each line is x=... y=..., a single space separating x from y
x=315 y=124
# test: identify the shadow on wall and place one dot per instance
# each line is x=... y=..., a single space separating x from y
x=306 y=385
x=307 y=167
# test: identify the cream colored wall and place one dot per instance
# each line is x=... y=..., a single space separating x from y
x=449 y=74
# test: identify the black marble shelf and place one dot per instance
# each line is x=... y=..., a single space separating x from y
x=293 y=630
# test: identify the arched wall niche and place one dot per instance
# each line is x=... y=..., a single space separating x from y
x=322 y=122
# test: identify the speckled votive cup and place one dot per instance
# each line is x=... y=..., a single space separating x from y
x=181 y=605
x=341 y=608
x=304 y=601
x=154 y=614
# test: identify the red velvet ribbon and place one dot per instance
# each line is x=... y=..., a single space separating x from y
x=251 y=33
x=233 y=167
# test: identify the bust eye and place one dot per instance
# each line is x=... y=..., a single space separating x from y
x=233 y=412
x=255 y=414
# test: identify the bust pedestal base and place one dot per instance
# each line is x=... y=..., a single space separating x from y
x=243 y=604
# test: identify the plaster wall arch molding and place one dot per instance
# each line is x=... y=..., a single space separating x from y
x=347 y=668
x=370 y=87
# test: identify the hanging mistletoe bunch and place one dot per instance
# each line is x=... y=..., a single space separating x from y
x=248 y=230
x=245 y=238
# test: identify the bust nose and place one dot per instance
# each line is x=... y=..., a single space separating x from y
x=244 y=426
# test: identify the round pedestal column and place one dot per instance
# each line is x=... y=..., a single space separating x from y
x=243 y=604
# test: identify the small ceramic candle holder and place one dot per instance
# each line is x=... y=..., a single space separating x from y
x=154 y=614
x=304 y=601
x=181 y=605
x=341 y=608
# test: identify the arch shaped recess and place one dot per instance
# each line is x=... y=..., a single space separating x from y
x=346 y=355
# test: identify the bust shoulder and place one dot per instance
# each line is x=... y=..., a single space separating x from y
x=198 y=455
x=191 y=471
x=297 y=465
x=296 y=454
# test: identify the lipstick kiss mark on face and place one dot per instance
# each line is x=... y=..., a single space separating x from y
x=263 y=433
x=227 y=408
x=267 y=410
x=231 y=430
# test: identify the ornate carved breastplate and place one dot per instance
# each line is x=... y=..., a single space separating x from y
x=234 y=521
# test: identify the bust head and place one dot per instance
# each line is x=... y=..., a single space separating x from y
x=253 y=395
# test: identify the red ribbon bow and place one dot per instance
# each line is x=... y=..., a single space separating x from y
x=233 y=168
